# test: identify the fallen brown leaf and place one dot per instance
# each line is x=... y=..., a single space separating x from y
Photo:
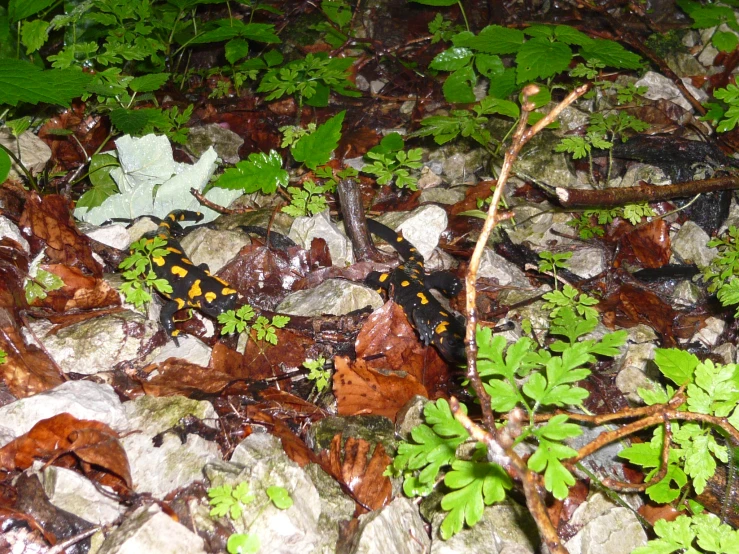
x=62 y=437
x=359 y=473
x=362 y=390
x=28 y=370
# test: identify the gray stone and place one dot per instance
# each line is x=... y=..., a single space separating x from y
x=710 y=333
x=395 y=529
x=507 y=274
x=686 y=293
x=410 y=416
x=225 y=142
x=633 y=371
x=261 y=461
x=115 y=235
x=176 y=464
x=74 y=493
x=96 y=344
x=150 y=530
x=10 y=230
x=82 y=399
x=421 y=227
x=587 y=262
x=333 y=296
x=662 y=88
x=214 y=248
x=428 y=178
x=440 y=195
x=606 y=528
x=690 y=245
x=189 y=348
x=505 y=528
x=540 y=162
x=305 y=229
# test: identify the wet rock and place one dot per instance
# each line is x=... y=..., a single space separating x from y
x=333 y=296
x=225 y=142
x=690 y=245
x=395 y=529
x=214 y=248
x=31 y=150
x=305 y=229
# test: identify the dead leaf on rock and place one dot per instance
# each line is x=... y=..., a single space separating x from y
x=80 y=291
x=293 y=445
x=176 y=376
x=28 y=369
x=362 y=390
x=648 y=245
x=62 y=438
x=360 y=473
x=389 y=341
x=50 y=222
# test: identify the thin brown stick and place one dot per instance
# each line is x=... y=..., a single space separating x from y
x=515 y=466
x=642 y=193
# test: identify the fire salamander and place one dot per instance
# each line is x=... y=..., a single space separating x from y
x=192 y=286
x=409 y=286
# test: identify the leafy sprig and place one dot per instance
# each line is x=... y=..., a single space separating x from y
x=240 y=321
x=139 y=275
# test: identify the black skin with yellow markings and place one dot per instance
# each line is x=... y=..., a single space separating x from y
x=408 y=286
x=192 y=285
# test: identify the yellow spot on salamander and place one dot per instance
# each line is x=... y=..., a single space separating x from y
x=221 y=281
x=444 y=314
x=186 y=261
x=384 y=277
x=180 y=303
x=441 y=327
x=195 y=291
x=172 y=217
x=227 y=290
x=210 y=296
x=173 y=250
x=399 y=239
x=412 y=250
x=163 y=236
x=158 y=260
x=164 y=224
x=180 y=271
x=194 y=304
x=207 y=272
x=175 y=332
x=405 y=283
x=424 y=299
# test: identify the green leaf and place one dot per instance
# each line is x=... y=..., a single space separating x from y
x=5 y=165
x=23 y=9
x=149 y=82
x=21 y=81
x=546 y=459
x=724 y=41
x=236 y=49
x=315 y=149
x=610 y=53
x=34 y=34
x=489 y=65
x=475 y=485
x=458 y=87
x=273 y=58
x=452 y=59
x=241 y=543
x=260 y=32
x=280 y=497
x=260 y=172
x=132 y=122
x=337 y=11
x=677 y=365
x=493 y=39
x=540 y=58
x=502 y=86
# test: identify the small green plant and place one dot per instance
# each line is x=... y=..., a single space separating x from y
x=570 y=297
x=538 y=52
x=395 y=166
x=231 y=502
x=309 y=79
x=320 y=375
x=3 y=356
x=710 y=389
x=239 y=321
x=292 y=133
x=139 y=275
x=590 y=222
x=723 y=273
x=467 y=123
x=226 y=500
x=309 y=200
x=551 y=262
x=602 y=131
x=515 y=376
x=697 y=534
x=39 y=282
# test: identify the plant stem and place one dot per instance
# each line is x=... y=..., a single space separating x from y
x=464 y=15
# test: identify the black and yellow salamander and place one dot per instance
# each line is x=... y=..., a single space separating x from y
x=408 y=286
x=192 y=285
